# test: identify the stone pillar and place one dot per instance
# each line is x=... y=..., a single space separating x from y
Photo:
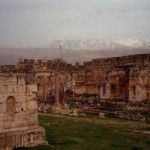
x=57 y=87
x=118 y=91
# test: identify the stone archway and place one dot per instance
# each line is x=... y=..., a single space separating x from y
x=10 y=106
x=104 y=89
x=122 y=91
x=113 y=90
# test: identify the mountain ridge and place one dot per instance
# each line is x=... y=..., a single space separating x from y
x=76 y=50
x=95 y=44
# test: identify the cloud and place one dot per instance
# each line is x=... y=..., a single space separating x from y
x=37 y=22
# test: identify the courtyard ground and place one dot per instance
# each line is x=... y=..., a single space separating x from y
x=93 y=133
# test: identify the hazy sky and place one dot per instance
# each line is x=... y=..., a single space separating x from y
x=38 y=22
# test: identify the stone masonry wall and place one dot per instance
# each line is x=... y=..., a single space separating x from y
x=18 y=113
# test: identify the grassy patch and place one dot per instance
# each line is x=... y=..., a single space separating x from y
x=136 y=148
x=66 y=133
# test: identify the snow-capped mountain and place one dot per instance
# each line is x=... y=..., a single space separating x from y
x=96 y=44
x=134 y=43
x=85 y=50
x=83 y=44
x=77 y=50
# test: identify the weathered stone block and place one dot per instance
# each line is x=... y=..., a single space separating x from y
x=101 y=115
x=2 y=108
x=18 y=115
x=24 y=106
x=32 y=88
x=18 y=107
x=31 y=105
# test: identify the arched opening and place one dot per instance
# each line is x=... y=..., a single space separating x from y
x=104 y=89
x=113 y=90
x=122 y=90
x=134 y=90
x=10 y=106
x=147 y=96
x=38 y=87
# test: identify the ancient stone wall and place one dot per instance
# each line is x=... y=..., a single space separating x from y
x=139 y=84
x=18 y=113
x=121 y=61
x=45 y=83
x=111 y=78
x=116 y=85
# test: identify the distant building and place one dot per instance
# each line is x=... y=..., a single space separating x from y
x=110 y=78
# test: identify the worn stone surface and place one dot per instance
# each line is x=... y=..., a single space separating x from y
x=18 y=113
x=115 y=81
x=109 y=84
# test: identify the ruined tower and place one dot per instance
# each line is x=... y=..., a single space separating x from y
x=18 y=113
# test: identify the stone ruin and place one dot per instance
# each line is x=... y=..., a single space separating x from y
x=18 y=113
x=100 y=85
x=124 y=78
x=117 y=86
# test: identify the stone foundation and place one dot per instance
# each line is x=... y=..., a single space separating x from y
x=22 y=138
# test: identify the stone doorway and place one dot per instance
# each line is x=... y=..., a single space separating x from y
x=113 y=90
x=10 y=106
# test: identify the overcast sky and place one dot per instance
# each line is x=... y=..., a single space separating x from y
x=33 y=23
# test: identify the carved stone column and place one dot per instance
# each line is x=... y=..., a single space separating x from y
x=57 y=88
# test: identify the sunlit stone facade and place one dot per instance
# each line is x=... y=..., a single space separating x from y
x=18 y=113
